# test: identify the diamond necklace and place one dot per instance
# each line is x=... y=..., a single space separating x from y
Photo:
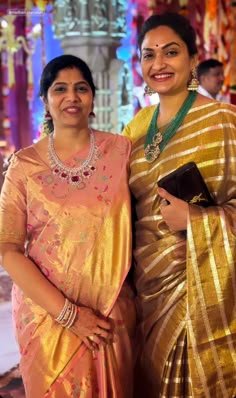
x=155 y=142
x=73 y=175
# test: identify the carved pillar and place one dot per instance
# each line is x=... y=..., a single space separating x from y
x=93 y=30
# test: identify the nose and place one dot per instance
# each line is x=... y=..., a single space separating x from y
x=73 y=95
x=221 y=81
x=158 y=62
x=221 y=77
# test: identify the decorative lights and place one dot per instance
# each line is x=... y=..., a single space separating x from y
x=11 y=44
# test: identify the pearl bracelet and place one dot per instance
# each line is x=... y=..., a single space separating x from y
x=68 y=314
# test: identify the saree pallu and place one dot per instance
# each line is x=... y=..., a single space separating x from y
x=80 y=239
x=186 y=284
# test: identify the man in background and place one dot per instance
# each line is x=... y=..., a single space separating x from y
x=210 y=74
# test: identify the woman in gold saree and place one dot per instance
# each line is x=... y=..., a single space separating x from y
x=66 y=241
x=185 y=254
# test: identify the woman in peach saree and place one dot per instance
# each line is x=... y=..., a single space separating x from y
x=65 y=234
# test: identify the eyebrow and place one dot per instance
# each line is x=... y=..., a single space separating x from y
x=81 y=81
x=164 y=47
x=65 y=83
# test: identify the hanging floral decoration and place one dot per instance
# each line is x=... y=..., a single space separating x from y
x=199 y=12
x=184 y=7
x=160 y=6
x=210 y=28
x=224 y=41
x=6 y=123
x=233 y=50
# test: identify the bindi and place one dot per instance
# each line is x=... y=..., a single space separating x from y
x=156 y=45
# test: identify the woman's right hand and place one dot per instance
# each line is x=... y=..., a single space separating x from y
x=91 y=328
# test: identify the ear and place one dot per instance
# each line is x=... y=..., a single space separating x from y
x=45 y=101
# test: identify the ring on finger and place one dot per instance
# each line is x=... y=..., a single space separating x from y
x=91 y=338
x=164 y=202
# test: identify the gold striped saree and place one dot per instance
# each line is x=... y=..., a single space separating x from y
x=186 y=287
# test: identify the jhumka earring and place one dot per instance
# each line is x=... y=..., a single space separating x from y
x=92 y=114
x=148 y=90
x=47 y=121
x=47 y=115
x=193 y=83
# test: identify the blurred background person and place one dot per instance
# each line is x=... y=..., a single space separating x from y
x=210 y=74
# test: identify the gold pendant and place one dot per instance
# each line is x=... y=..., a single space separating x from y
x=152 y=151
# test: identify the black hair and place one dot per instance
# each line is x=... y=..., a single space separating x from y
x=204 y=67
x=177 y=22
x=57 y=64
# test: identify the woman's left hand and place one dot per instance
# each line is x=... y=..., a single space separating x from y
x=175 y=213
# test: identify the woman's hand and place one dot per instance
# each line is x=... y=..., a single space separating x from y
x=92 y=329
x=175 y=213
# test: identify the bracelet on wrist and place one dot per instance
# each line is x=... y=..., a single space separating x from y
x=68 y=314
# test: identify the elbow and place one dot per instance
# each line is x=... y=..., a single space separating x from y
x=2 y=251
x=8 y=248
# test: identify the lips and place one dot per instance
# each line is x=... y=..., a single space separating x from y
x=162 y=76
x=72 y=109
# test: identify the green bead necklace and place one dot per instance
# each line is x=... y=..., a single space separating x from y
x=155 y=142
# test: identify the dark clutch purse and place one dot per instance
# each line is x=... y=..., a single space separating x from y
x=186 y=183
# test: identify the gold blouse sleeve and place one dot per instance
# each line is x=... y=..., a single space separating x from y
x=13 y=205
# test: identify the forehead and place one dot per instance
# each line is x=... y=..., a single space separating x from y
x=161 y=36
x=216 y=71
x=67 y=74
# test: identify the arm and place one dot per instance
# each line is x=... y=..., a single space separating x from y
x=40 y=290
x=23 y=271
x=30 y=279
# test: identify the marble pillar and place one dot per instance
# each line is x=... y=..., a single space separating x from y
x=93 y=30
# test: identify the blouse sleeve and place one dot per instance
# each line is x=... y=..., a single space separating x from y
x=13 y=214
x=138 y=126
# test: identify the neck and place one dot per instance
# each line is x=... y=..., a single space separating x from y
x=213 y=95
x=70 y=138
x=155 y=142
x=170 y=105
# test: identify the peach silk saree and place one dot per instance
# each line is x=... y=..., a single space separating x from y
x=80 y=239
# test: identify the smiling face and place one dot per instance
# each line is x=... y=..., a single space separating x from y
x=69 y=99
x=165 y=61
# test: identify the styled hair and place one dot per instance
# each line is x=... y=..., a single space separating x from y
x=57 y=64
x=177 y=22
x=204 y=67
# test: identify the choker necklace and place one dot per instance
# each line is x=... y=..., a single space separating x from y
x=73 y=175
x=155 y=142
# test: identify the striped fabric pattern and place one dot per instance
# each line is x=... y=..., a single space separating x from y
x=187 y=288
